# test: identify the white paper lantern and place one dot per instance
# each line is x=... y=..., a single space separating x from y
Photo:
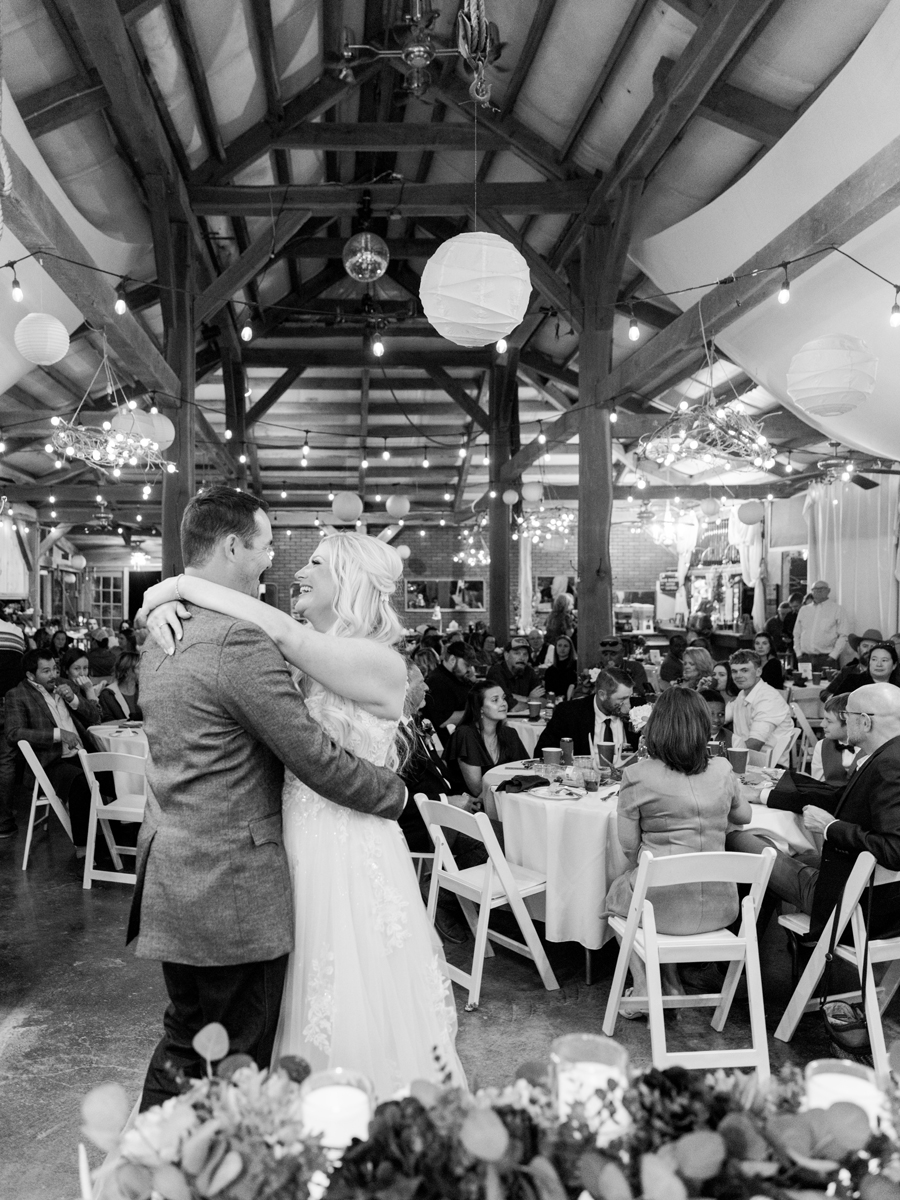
x=752 y=512
x=41 y=339
x=475 y=289
x=137 y=423
x=710 y=507
x=832 y=375
x=532 y=491
x=78 y=561
x=347 y=506
x=403 y=551
x=510 y=496
x=397 y=506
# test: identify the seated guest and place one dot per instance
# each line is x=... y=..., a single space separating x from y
x=485 y=648
x=677 y=801
x=612 y=654
x=50 y=716
x=602 y=716
x=723 y=682
x=697 y=668
x=127 y=637
x=59 y=644
x=856 y=672
x=715 y=705
x=426 y=660
x=73 y=668
x=833 y=757
x=760 y=717
x=772 y=673
x=12 y=650
x=670 y=667
x=101 y=659
x=119 y=699
x=448 y=686
x=538 y=646
x=560 y=679
x=481 y=740
x=519 y=680
x=774 y=627
x=862 y=815
x=882 y=666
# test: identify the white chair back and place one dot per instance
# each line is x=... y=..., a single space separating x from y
x=807 y=744
x=43 y=796
x=128 y=809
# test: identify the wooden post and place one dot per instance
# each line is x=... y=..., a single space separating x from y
x=502 y=403
x=35 y=573
x=233 y=378
x=178 y=488
x=602 y=260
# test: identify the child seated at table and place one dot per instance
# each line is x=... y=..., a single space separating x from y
x=715 y=705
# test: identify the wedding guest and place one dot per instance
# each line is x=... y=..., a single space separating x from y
x=426 y=660
x=561 y=622
x=119 y=699
x=670 y=667
x=601 y=717
x=715 y=704
x=856 y=673
x=73 y=668
x=59 y=644
x=789 y=620
x=538 y=646
x=697 y=668
x=519 y=680
x=449 y=686
x=101 y=658
x=613 y=654
x=883 y=664
x=833 y=757
x=701 y=622
x=484 y=646
x=560 y=679
x=678 y=800
x=822 y=629
x=482 y=739
x=760 y=716
x=775 y=628
x=723 y=682
x=127 y=637
x=772 y=673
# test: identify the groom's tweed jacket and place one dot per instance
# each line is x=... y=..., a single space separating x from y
x=221 y=716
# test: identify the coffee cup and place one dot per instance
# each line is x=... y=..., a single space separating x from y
x=817 y=677
x=738 y=760
x=552 y=756
x=534 y=710
x=606 y=752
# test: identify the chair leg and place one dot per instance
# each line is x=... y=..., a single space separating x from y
x=729 y=987
x=90 y=848
x=655 y=1009
x=802 y=993
x=481 y=937
x=30 y=833
x=758 y=1034
x=890 y=981
x=533 y=942
x=470 y=912
x=111 y=843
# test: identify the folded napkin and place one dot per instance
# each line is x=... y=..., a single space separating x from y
x=521 y=783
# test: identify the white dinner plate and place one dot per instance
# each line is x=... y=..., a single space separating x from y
x=565 y=792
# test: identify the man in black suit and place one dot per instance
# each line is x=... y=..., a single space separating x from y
x=449 y=686
x=863 y=815
x=603 y=716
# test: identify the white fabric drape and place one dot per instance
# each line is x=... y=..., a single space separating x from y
x=749 y=541
x=526 y=586
x=13 y=571
x=686 y=532
x=853 y=546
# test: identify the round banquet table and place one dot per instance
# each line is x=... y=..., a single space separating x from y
x=114 y=739
x=528 y=731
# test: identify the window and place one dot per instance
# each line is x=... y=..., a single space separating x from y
x=106 y=600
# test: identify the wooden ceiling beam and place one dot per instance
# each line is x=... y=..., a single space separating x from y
x=265 y=36
x=272 y=395
x=465 y=465
x=409 y=199
x=190 y=53
x=546 y=366
x=357 y=358
x=292 y=304
x=749 y=115
x=385 y=135
x=208 y=440
x=458 y=393
x=59 y=105
x=868 y=194
x=551 y=393
x=537 y=30
x=325 y=247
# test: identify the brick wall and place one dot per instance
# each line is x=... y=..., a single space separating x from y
x=636 y=561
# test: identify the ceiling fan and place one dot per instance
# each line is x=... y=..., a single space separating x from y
x=838 y=467
x=104 y=520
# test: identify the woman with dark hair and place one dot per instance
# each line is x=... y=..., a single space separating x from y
x=126 y=636
x=481 y=740
x=560 y=679
x=59 y=645
x=772 y=673
x=425 y=659
x=119 y=699
x=832 y=757
x=73 y=670
x=677 y=801
x=723 y=682
x=485 y=648
x=883 y=664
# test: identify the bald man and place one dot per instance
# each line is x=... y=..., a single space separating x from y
x=863 y=815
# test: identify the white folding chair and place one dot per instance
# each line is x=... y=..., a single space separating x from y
x=420 y=857
x=809 y=701
x=880 y=950
x=805 y=747
x=43 y=796
x=128 y=809
x=490 y=885
x=638 y=935
x=781 y=748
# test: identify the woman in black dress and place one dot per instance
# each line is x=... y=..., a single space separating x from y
x=481 y=740
x=560 y=679
x=772 y=673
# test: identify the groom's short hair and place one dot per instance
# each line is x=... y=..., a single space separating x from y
x=213 y=515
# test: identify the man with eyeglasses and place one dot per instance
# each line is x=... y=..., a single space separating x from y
x=863 y=815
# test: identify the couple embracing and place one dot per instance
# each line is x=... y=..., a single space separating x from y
x=273 y=881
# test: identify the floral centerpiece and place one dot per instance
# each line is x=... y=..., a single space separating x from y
x=639 y=716
x=239 y=1134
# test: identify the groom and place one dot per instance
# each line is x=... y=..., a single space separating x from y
x=213 y=893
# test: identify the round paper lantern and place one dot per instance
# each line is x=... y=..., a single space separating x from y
x=397 y=506
x=510 y=496
x=78 y=561
x=832 y=375
x=347 y=506
x=403 y=551
x=41 y=339
x=136 y=423
x=752 y=512
x=532 y=491
x=366 y=256
x=475 y=288
x=710 y=507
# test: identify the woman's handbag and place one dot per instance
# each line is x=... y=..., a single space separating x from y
x=845 y=1023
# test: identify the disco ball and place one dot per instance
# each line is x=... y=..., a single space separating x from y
x=366 y=257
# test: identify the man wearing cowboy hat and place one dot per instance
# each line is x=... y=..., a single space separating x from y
x=855 y=674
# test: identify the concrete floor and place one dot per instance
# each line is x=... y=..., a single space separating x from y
x=77 y=1009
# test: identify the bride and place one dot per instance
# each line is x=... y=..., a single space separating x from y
x=366 y=985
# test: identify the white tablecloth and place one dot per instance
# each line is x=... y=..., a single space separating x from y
x=528 y=731
x=574 y=843
x=115 y=740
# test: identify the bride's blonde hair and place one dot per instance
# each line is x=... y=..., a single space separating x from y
x=365 y=571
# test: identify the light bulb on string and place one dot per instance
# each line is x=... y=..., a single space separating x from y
x=247 y=331
x=501 y=345
x=486 y=459
x=385 y=454
x=364 y=464
x=895 y=309
x=784 y=292
x=541 y=437
x=425 y=463
x=463 y=451
x=17 y=294
x=283 y=492
x=634 y=333
x=377 y=346
x=613 y=416
x=331 y=495
x=304 y=449
x=121 y=304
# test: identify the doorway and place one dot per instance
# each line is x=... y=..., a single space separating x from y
x=138 y=582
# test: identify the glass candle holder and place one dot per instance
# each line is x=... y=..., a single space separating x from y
x=829 y=1080
x=337 y=1105
x=592 y=1071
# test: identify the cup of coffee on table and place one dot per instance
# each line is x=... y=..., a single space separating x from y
x=552 y=756
x=738 y=760
x=534 y=710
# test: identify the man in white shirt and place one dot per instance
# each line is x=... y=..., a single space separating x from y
x=760 y=717
x=822 y=629
x=598 y=719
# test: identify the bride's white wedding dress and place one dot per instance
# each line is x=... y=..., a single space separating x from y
x=365 y=987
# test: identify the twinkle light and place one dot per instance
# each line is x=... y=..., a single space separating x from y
x=463 y=450
x=634 y=333
x=486 y=459
x=385 y=454
x=784 y=292
x=448 y=496
x=613 y=416
x=377 y=346
x=364 y=464
x=425 y=463
x=789 y=466
x=501 y=345
x=228 y=435
x=378 y=497
x=121 y=304
x=331 y=495
x=247 y=331
x=895 y=309
x=17 y=294
x=541 y=437
x=304 y=449
x=283 y=492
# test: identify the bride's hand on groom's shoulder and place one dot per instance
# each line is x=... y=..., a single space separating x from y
x=164 y=623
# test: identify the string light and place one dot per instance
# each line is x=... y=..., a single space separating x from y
x=121 y=304
x=283 y=492
x=247 y=331
x=385 y=454
x=304 y=449
x=377 y=346
x=17 y=294
x=784 y=292
x=331 y=495
x=447 y=496
x=463 y=450
x=541 y=437
x=304 y=462
x=486 y=459
x=425 y=463
x=364 y=464
x=228 y=435
x=789 y=466
x=613 y=416
x=501 y=346
x=895 y=309
x=634 y=333
x=242 y=458
x=378 y=497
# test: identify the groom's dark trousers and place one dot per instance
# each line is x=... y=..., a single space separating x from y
x=246 y=999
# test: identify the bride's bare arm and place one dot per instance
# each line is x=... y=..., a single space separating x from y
x=368 y=672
